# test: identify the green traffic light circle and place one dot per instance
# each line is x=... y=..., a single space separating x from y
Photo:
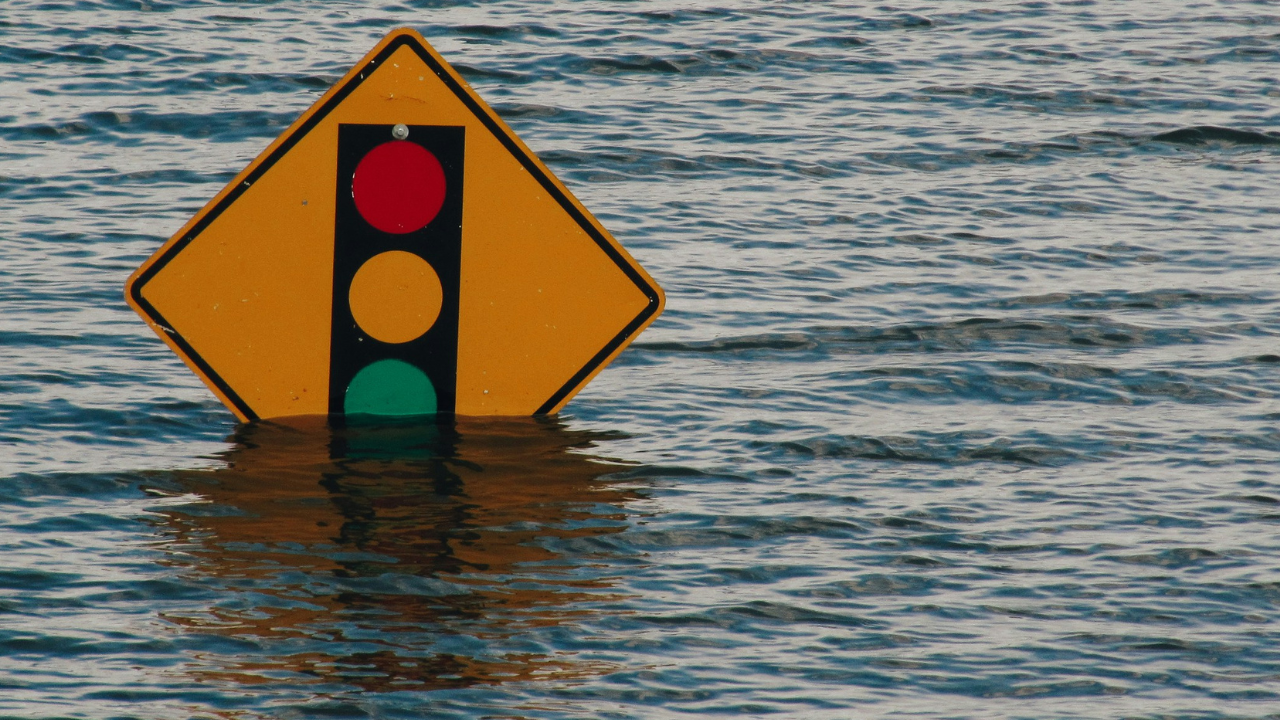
x=390 y=387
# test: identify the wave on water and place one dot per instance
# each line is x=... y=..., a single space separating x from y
x=1206 y=134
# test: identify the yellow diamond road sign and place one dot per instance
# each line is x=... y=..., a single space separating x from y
x=397 y=251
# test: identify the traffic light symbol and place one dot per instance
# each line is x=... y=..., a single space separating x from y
x=397 y=253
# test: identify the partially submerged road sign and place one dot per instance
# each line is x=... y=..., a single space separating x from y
x=397 y=251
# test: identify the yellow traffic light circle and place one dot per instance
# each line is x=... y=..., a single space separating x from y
x=395 y=296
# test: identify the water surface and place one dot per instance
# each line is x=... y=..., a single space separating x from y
x=963 y=405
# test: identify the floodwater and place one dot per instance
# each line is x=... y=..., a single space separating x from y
x=964 y=404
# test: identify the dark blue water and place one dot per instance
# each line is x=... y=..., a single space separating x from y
x=964 y=404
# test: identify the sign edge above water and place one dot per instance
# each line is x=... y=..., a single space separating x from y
x=281 y=145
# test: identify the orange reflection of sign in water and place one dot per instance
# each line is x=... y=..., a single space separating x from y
x=397 y=251
x=361 y=556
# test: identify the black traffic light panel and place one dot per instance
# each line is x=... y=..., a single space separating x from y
x=396 y=263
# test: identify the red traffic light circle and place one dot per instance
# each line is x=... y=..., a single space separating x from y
x=398 y=187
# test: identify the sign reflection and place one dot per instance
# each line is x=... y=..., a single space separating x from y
x=399 y=557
